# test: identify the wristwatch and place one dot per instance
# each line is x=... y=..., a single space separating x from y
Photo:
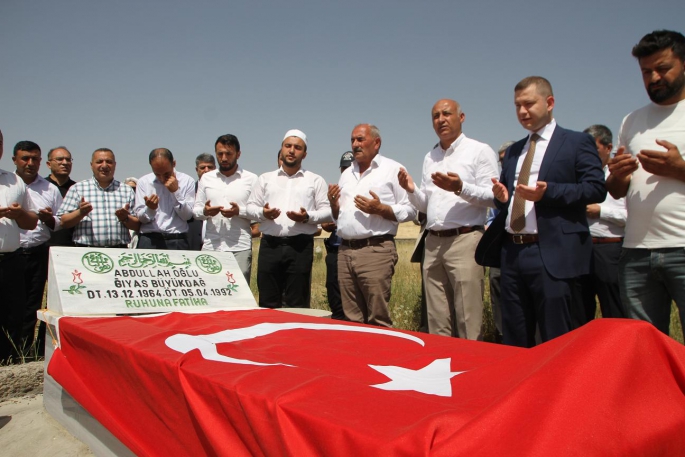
x=306 y=218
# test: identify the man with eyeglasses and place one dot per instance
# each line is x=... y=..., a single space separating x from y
x=59 y=162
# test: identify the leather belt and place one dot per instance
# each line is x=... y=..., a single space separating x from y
x=454 y=231
x=164 y=236
x=294 y=240
x=114 y=246
x=32 y=249
x=606 y=239
x=371 y=241
x=523 y=238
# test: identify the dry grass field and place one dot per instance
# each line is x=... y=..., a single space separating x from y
x=406 y=286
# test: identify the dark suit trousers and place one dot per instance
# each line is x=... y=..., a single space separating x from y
x=531 y=298
x=284 y=271
x=332 y=284
x=12 y=303
x=35 y=275
x=603 y=282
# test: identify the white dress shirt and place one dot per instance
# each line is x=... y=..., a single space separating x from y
x=612 y=217
x=540 y=149
x=174 y=210
x=12 y=190
x=476 y=165
x=221 y=233
x=381 y=178
x=44 y=195
x=303 y=189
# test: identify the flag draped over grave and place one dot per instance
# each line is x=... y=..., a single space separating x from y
x=264 y=382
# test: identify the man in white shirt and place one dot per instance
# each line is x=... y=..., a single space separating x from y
x=607 y=222
x=649 y=170
x=455 y=192
x=164 y=204
x=221 y=202
x=196 y=228
x=34 y=243
x=17 y=211
x=368 y=204
x=289 y=203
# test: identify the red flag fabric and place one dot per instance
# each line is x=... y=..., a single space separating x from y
x=265 y=382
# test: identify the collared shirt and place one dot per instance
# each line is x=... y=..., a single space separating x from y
x=44 y=195
x=303 y=189
x=62 y=188
x=12 y=190
x=173 y=210
x=221 y=233
x=381 y=179
x=100 y=227
x=612 y=217
x=476 y=165
x=540 y=149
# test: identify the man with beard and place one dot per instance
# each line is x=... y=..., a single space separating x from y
x=221 y=201
x=368 y=203
x=289 y=203
x=60 y=162
x=649 y=170
x=99 y=207
x=164 y=204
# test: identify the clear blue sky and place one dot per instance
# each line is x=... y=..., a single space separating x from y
x=136 y=75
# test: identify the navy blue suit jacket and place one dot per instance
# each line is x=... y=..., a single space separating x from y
x=573 y=172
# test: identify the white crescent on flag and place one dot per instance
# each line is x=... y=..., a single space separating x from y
x=432 y=379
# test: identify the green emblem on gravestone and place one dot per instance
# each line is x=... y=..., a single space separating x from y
x=208 y=264
x=97 y=262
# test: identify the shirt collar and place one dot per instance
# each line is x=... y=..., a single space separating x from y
x=300 y=172
x=455 y=144
x=110 y=187
x=546 y=131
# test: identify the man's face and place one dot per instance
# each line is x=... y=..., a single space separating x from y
x=204 y=167
x=227 y=157
x=162 y=168
x=364 y=146
x=27 y=163
x=447 y=120
x=604 y=151
x=534 y=110
x=60 y=163
x=293 y=151
x=103 y=166
x=663 y=75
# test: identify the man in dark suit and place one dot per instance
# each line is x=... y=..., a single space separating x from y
x=548 y=178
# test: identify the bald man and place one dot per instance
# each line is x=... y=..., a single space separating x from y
x=455 y=193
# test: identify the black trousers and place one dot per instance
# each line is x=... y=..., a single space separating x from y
x=284 y=271
x=35 y=275
x=531 y=298
x=603 y=283
x=332 y=284
x=12 y=302
x=157 y=241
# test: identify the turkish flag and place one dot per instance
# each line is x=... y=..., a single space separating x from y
x=265 y=382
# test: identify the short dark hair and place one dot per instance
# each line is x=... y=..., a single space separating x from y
x=543 y=86
x=161 y=152
x=658 y=41
x=205 y=158
x=102 y=150
x=25 y=146
x=228 y=140
x=600 y=133
x=54 y=149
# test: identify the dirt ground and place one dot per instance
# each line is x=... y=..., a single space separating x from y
x=26 y=429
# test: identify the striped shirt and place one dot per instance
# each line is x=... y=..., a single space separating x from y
x=100 y=227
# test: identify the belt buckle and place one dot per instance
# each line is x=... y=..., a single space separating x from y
x=517 y=239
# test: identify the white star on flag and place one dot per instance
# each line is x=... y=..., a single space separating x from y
x=433 y=379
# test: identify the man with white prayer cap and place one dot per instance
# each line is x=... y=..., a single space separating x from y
x=288 y=203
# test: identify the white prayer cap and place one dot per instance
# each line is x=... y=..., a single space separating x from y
x=296 y=133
